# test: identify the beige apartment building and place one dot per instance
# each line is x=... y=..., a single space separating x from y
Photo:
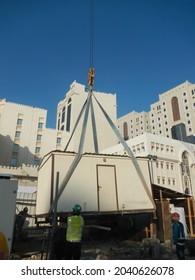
x=173 y=116
x=133 y=124
x=23 y=135
x=68 y=112
x=25 y=139
x=172 y=162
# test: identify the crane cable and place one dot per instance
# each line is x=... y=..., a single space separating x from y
x=91 y=33
x=91 y=72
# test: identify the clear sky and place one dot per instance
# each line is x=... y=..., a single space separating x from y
x=142 y=48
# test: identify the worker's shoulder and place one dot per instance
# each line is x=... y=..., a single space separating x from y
x=178 y=224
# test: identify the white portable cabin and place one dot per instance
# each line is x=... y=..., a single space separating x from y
x=100 y=183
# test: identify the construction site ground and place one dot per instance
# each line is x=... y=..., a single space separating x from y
x=39 y=248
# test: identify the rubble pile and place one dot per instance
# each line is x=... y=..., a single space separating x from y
x=102 y=250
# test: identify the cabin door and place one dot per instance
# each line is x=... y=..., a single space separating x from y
x=107 y=188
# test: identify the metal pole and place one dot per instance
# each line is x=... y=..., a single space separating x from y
x=78 y=156
x=190 y=216
x=76 y=124
x=94 y=129
x=54 y=218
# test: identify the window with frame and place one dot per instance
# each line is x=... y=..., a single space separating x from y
x=63 y=115
x=40 y=125
x=15 y=148
x=68 y=114
x=37 y=150
x=13 y=161
x=163 y=180
x=17 y=134
x=19 y=121
x=125 y=131
x=62 y=127
x=36 y=162
x=39 y=137
x=58 y=140
x=175 y=109
x=58 y=124
x=185 y=169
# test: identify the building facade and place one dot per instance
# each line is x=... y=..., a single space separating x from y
x=68 y=114
x=172 y=162
x=133 y=124
x=172 y=174
x=23 y=135
x=25 y=139
x=173 y=116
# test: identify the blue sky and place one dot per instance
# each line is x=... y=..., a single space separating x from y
x=142 y=48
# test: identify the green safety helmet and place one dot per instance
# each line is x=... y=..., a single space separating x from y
x=76 y=208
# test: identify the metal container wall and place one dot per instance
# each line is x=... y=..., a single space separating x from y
x=8 y=190
x=100 y=184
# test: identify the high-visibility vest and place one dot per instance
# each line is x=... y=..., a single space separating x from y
x=74 y=228
x=3 y=247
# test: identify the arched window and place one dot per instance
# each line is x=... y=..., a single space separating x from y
x=185 y=171
x=125 y=131
x=63 y=114
x=58 y=125
x=68 y=115
x=175 y=109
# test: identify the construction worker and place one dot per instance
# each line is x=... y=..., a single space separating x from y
x=4 y=251
x=178 y=235
x=20 y=222
x=75 y=225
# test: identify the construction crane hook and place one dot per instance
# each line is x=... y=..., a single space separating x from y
x=91 y=75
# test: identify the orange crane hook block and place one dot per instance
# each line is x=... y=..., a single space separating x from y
x=91 y=75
